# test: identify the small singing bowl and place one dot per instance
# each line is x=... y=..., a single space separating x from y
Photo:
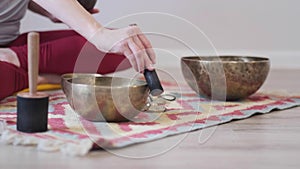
x=228 y=78
x=100 y=98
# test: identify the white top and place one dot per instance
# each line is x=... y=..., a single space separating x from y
x=11 y=13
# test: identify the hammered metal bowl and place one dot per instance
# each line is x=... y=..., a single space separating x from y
x=225 y=77
x=100 y=98
x=68 y=76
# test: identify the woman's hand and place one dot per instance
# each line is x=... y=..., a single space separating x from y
x=129 y=41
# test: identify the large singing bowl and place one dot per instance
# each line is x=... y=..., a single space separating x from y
x=100 y=98
x=225 y=77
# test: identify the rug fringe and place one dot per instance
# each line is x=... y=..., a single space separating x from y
x=70 y=149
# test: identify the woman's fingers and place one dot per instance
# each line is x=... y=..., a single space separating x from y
x=148 y=47
x=128 y=41
x=145 y=56
x=141 y=48
x=139 y=54
x=130 y=56
x=145 y=43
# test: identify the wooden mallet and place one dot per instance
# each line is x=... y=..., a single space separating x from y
x=32 y=106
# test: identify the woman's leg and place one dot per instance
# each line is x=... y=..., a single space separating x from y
x=13 y=79
x=44 y=36
x=60 y=52
x=66 y=52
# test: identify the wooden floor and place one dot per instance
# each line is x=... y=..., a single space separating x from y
x=263 y=141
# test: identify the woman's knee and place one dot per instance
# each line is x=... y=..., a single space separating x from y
x=8 y=55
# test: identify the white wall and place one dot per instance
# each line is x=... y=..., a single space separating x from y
x=254 y=27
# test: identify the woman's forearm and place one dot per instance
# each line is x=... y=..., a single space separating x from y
x=73 y=14
x=34 y=7
x=129 y=41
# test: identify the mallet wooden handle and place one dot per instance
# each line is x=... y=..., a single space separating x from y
x=33 y=42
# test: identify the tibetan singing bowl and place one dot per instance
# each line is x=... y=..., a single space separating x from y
x=225 y=77
x=100 y=98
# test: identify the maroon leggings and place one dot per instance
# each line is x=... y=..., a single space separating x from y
x=65 y=51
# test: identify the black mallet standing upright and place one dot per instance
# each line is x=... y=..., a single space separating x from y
x=32 y=106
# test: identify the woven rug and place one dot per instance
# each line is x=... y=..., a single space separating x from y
x=72 y=135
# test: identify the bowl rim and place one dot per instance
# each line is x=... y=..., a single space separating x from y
x=67 y=76
x=256 y=59
x=143 y=83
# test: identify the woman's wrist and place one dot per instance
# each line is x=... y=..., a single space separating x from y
x=97 y=38
x=92 y=30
